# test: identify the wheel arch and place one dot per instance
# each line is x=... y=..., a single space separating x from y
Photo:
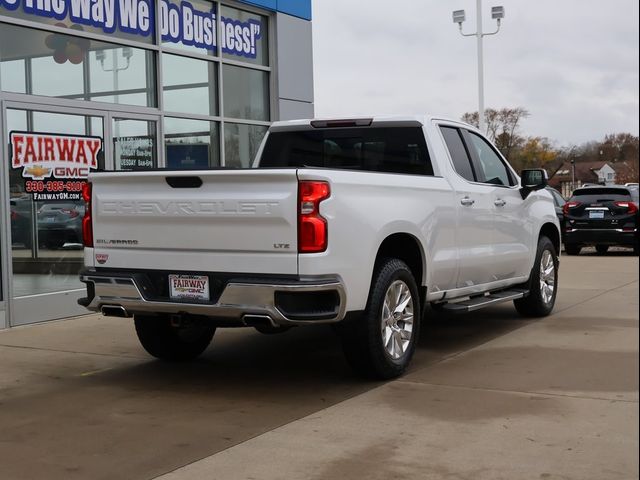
x=405 y=247
x=550 y=231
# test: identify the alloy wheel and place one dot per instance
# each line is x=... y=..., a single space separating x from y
x=397 y=319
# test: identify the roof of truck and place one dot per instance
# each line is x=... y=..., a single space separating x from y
x=374 y=120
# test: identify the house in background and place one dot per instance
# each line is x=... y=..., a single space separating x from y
x=601 y=173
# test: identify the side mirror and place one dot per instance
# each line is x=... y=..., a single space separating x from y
x=532 y=180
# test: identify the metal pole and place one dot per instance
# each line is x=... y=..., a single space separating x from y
x=481 y=122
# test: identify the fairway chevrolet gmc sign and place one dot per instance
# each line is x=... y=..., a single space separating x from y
x=178 y=22
x=54 y=167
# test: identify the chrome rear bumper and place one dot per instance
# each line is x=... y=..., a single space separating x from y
x=112 y=293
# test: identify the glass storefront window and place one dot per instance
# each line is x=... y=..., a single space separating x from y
x=197 y=33
x=41 y=63
x=189 y=85
x=136 y=17
x=134 y=144
x=191 y=144
x=241 y=143
x=12 y=75
x=246 y=93
x=244 y=36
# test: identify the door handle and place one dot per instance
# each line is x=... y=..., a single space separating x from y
x=467 y=202
x=500 y=203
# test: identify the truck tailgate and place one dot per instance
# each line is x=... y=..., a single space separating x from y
x=241 y=221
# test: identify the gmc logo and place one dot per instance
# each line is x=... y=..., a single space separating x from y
x=71 y=172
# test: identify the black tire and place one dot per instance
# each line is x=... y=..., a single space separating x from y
x=172 y=343
x=268 y=330
x=534 y=305
x=571 y=249
x=362 y=338
x=602 y=249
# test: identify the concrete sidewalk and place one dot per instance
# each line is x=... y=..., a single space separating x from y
x=490 y=396
x=557 y=399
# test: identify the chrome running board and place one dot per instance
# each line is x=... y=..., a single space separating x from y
x=476 y=303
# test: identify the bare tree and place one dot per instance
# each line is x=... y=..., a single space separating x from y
x=502 y=126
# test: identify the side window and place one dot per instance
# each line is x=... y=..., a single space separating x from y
x=458 y=151
x=559 y=200
x=491 y=165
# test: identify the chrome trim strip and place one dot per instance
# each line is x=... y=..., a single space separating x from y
x=237 y=300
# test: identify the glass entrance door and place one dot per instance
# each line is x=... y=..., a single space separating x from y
x=50 y=156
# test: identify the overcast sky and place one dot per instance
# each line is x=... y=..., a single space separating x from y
x=572 y=63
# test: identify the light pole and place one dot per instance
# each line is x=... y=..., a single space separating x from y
x=459 y=16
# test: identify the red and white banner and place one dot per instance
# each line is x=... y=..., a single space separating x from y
x=54 y=166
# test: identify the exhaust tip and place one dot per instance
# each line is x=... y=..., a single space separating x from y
x=114 y=311
x=258 y=321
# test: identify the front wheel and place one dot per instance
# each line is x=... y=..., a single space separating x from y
x=543 y=282
x=161 y=339
x=380 y=344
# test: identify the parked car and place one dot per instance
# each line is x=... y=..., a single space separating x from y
x=60 y=223
x=602 y=217
x=558 y=201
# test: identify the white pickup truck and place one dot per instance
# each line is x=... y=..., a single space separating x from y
x=357 y=223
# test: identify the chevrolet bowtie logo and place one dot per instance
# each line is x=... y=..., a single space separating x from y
x=37 y=172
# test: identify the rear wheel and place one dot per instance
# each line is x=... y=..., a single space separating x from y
x=163 y=340
x=571 y=249
x=602 y=249
x=269 y=330
x=543 y=283
x=380 y=344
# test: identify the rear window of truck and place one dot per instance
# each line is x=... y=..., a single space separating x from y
x=598 y=195
x=389 y=150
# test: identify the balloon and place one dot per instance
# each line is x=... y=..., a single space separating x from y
x=74 y=53
x=77 y=58
x=49 y=41
x=55 y=41
x=59 y=56
x=83 y=43
x=75 y=26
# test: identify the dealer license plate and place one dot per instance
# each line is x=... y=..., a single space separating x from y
x=598 y=214
x=189 y=287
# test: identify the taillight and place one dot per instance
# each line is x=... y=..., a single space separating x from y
x=569 y=205
x=87 y=226
x=312 y=227
x=630 y=206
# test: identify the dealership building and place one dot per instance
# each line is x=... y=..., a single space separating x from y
x=89 y=85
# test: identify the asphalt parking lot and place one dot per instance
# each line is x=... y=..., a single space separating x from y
x=489 y=396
